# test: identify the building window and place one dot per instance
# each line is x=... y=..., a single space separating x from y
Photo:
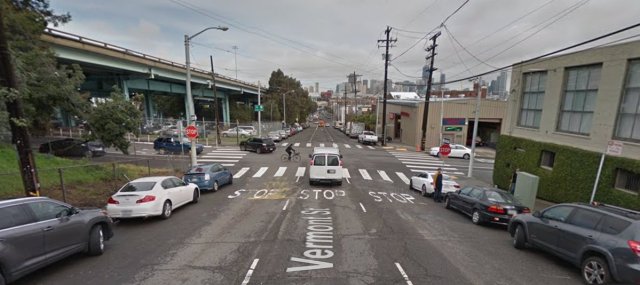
x=627 y=180
x=532 y=98
x=547 y=159
x=628 y=124
x=578 y=103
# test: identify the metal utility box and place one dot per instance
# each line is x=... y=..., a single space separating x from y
x=526 y=189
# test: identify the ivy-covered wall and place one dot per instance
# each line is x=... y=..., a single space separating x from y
x=573 y=174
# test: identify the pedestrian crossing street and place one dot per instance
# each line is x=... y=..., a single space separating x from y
x=336 y=145
x=422 y=162
x=301 y=171
x=224 y=156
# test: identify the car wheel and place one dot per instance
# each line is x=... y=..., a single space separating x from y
x=242 y=136
x=2 y=281
x=424 y=190
x=215 y=186
x=466 y=156
x=196 y=196
x=410 y=185
x=225 y=135
x=230 y=179
x=88 y=154
x=475 y=217
x=166 y=210
x=96 y=241
x=339 y=183
x=447 y=202
x=595 y=270
x=258 y=150
x=519 y=240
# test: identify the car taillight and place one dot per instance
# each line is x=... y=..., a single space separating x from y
x=456 y=186
x=147 y=198
x=207 y=176
x=311 y=162
x=526 y=211
x=112 y=201
x=341 y=163
x=496 y=209
x=635 y=246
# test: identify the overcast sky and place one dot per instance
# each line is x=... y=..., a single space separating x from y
x=322 y=41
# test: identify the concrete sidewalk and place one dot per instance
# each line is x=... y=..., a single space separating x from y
x=481 y=152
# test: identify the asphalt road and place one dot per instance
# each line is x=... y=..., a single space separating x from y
x=273 y=228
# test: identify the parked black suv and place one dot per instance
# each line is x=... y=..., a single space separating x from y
x=258 y=145
x=603 y=240
x=73 y=147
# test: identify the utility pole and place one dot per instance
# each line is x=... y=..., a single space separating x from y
x=354 y=79
x=344 y=118
x=384 y=95
x=425 y=116
x=215 y=103
x=475 y=128
x=235 y=59
x=19 y=132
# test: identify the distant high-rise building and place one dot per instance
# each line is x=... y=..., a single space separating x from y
x=365 y=83
x=311 y=90
x=443 y=79
x=317 y=87
x=502 y=83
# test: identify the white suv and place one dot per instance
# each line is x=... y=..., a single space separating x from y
x=252 y=131
x=326 y=166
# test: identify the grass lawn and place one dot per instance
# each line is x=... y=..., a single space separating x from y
x=86 y=183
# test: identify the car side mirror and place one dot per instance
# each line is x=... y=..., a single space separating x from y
x=341 y=156
x=537 y=214
x=310 y=156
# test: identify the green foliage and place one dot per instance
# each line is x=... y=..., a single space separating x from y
x=369 y=120
x=240 y=112
x=298 y=103
x=111 y=120
x=170 y=106
x=573 y=174
x=43 y=85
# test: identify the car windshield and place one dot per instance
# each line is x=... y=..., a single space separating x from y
x=138 y=186
x=499 y=197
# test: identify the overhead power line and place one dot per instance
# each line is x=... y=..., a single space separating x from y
x=549 y=53
x=465 y=49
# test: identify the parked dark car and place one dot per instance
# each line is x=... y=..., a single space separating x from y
x=38 y=231
x=603 y=241
x=484 y=204
x=209 y=177
x=171 y=145
x=259 y=145
x=73 y=147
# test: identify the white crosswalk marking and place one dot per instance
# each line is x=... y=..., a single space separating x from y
x=370 y=147
x=218 y=160
x=280 y=171
x=431 y=167
x=321 y=145
x=335 y=145
x=384 y=176
x=261 y=172
x=308 y=144
x=358 y=146
x=345 y=173
x=364 y=174
x=403 y=177
x=227 y=164
x=347 y=146
x=300 y=171
x=425 y=163
x=285 y=144
x=220 y=156
x=241 y=172
x=296 y=144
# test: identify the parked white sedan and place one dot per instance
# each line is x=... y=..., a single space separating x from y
x=423 y=182
x=151 y=196
x=457 y=150
x=234 y=132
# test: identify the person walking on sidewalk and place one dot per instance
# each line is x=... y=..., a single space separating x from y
x=437 y=186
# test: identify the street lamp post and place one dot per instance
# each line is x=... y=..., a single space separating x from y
x=191 y=113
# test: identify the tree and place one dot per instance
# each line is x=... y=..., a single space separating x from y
x=240 y=112
x=110 y=121
x=298 y=103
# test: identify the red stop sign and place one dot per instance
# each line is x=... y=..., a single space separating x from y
x=191 y=131
x=445 y=149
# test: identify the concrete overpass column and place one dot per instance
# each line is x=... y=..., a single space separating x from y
x=226 y=109
x=148 y=107
x=125 y=89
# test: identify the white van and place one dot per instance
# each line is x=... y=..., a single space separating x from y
x=326 y=165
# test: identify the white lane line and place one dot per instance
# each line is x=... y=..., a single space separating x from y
x=285 y=205
x=241 y=172
x=321 y=145
x=363 y=209
x=296 y=144
x=250 y=272
x=404 y=275
x=384 y=176
x=358 y=146
x=300 y=173
x=227 y=164
x=370 y=147
x=261 y=172
x=335 y=145
x=219 y=160
x=346 y=174
x=403 y=177
x=285 y=144
x=280 y=171
x=347 y=146
x=220 y=156
x=308 y=144
x=364 y=174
